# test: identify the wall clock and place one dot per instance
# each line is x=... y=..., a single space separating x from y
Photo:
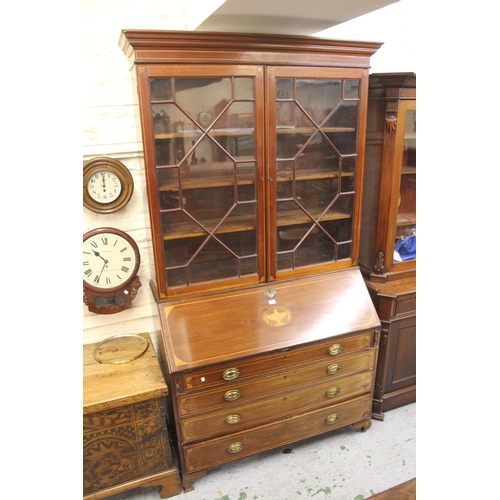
x=111 y=261
x=107 y=185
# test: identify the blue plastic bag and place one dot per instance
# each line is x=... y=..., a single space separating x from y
x=407 y=247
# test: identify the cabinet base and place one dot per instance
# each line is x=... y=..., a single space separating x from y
x=393 y=400
x=168 y=481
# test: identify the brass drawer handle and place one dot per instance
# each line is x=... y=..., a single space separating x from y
x=331 y=418
x=231 y=374
x=335 y=349
x=333 y=369
x=333 y=391
x=232 y=395
x=233 y=419
x=235 y=447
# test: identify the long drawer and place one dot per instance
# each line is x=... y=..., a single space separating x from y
x=235 y=418
x=208 y=377
x=217 y=451
x=244 y=391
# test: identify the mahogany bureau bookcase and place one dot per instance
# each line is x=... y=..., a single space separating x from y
x=388 y=236
x=254 y=157
x=125 y=437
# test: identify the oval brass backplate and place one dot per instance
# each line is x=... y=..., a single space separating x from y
x=231 y=374
x=233 y=419
x=335 y=349
x=232 y=395
x=333 y=391
x=331 y=418
x=235 y=447
x=333 y=369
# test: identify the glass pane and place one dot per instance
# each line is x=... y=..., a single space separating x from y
x=321 y=97
x=406 y=229
x=234 y=131
x=206 y=172
x=351 y=89
x=316 y=135
x=161 y=89
x=246 y=182
x=201 y=95
x=243 y=88
x=284 y=88
x=212 y=262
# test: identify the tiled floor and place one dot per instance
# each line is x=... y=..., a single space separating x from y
x=343 y=465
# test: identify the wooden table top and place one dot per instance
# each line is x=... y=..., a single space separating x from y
x=108 y=385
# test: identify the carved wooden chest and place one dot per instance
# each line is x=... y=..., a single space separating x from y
x=125 y=438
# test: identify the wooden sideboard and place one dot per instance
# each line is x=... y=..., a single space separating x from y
x=396 y=379
x=262 y=367
x=389 y=220
x=125 y=438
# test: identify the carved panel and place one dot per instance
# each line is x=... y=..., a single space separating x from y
x=123 y=444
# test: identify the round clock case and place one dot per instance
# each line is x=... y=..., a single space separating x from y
x=111 y=260
x=107 y=185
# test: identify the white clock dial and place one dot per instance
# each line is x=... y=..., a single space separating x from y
x=110 y=260
x=104 y=186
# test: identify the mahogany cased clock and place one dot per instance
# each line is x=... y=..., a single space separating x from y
x=111 y=260
x=107 y=185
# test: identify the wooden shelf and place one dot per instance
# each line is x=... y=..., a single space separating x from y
x=242 y=223
x=239 y=132
x=310 y=130
x=408 y=170
x=292 y=217
x=219 y=132
x=214 y=181
x=310 y=174
x=202 y=180
x=231 y=225
x=409 y=218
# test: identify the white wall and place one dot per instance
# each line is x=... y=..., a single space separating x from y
x=111 y=127
x=394 y=25
x=111 y=124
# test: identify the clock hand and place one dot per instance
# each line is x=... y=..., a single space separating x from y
x=103 y=266
x=97 y=254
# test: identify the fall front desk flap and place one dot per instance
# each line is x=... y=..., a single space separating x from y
x=274 y=316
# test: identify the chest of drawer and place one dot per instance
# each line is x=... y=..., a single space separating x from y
x=239 y=370
x=242 y=382
x=238 y=392
x=241 y=444
x=234 y=418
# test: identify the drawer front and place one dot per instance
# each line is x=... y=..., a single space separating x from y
x=237 y=392
x=266 y=437
x=202 y=379
x=405 y=305
x=243 y=416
